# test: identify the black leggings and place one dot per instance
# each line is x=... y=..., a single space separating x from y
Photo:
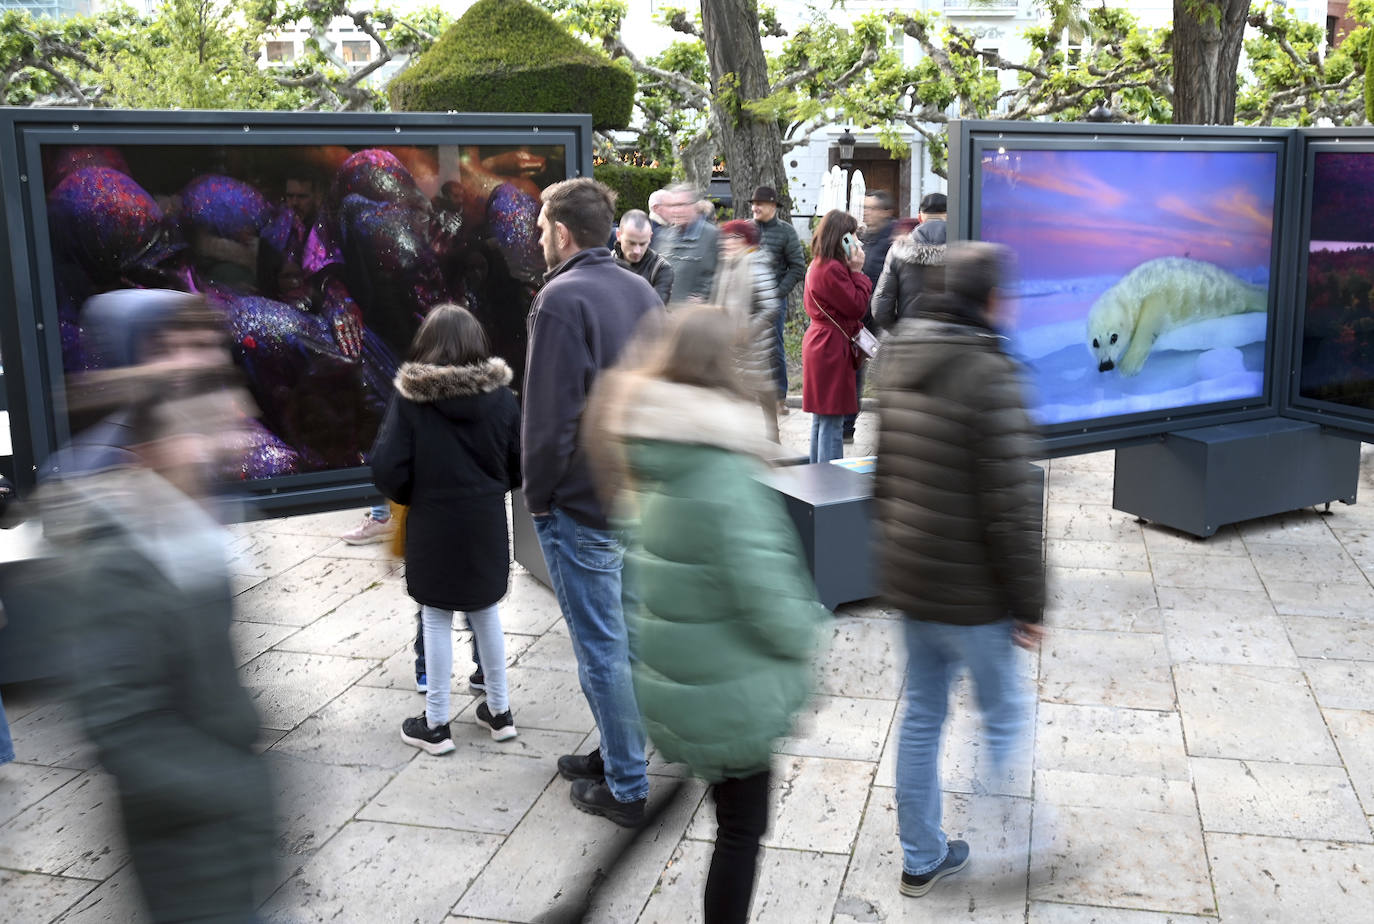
x=741 y=819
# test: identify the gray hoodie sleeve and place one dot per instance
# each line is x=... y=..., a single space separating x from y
x=884 y=302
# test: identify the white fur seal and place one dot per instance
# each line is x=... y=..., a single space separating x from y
x=1157 y=296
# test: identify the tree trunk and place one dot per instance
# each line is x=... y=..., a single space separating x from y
x=739 y=74
x=1207 y=43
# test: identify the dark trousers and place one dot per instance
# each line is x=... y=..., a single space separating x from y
x=741 y=820
x=849 y=419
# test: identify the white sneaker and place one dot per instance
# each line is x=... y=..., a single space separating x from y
x=368 y=532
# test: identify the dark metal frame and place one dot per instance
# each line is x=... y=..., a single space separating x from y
x=1328 y=413
x=33 y=377
x=969 y=139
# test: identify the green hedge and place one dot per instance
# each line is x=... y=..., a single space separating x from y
x=632 y=184
x=509 y=56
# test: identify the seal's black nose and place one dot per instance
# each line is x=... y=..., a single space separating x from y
x=1106 y=366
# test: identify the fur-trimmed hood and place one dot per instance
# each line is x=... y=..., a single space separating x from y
x=670 y=412
x=912 y=249
x=424 y=383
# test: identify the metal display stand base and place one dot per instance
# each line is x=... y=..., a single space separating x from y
x=525 y=541
x=832 y=508
x=1200 y=480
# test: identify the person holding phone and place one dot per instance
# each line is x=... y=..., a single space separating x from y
x=836 y=299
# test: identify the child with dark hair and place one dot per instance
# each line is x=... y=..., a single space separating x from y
x=449 y=449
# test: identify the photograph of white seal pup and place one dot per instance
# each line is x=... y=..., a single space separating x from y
x=1157 y=296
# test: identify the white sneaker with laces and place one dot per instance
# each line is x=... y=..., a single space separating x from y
x=368 y=531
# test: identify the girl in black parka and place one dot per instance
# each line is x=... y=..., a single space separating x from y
x=449 y=449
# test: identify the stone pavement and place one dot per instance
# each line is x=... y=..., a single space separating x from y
x=1203 y=749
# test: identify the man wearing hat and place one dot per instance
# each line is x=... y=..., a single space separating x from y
x=779 y=243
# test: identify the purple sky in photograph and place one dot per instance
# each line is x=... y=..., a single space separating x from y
x=1086 y=213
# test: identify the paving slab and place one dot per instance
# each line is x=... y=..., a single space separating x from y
x=313 y=800
x=861 y=657
x=414 y=873
x=1330 y=637
x=1109 y=740
x=792 y=887
x=1086 y=667
x=374 y=624
x=1353 y=732
x=304 y=593
x=992 y=888
x=1228 y=638
x=548 y=876
x=1225 y=541
x=1194 y=571
x=1351 y=601
x=1324 y=564
x=36 y=897
x=468 y=790
x=1267 y=879
x=1058 y=913
x=264 y=554
x=817 y=804
x=1090 y=522
x=22 y=785
x=1248 y=712
x=1278 y=800
x=1108 y=856
x=1092 y=598
x=839 y=726
x=361 y=727
x=1096 y=554
x=51 y=735
x=73 y=832
x=1300 y=527
x=287 y=686
x=1341 y=684
x=117 y=900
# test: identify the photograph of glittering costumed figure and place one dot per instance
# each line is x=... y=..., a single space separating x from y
x=323 y=260
x=1142 y=275
x=1338 y=321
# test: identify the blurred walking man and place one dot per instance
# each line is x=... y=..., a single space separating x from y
x=961 y=546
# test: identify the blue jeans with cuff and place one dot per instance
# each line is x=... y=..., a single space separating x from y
x=585 y=567
x=827 y=437
x=935 y=652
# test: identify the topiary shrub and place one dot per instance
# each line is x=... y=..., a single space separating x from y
x=509 y=56
x=632 y=184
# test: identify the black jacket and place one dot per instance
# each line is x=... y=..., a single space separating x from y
x=581 y=320
x=958 y=509
x=450 y=450
x=653 y=269
x=914 y=267
x=778 y=239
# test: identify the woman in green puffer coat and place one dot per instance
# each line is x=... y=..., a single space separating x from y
x=728 y=616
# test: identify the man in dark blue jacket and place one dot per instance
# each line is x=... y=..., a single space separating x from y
x=581 y=320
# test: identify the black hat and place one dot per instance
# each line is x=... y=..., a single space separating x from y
x=765 y=194
x=935 y=204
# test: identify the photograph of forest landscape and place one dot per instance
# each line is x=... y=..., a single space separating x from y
x=1338 y=328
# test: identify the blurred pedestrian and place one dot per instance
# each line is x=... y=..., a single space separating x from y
x=961 y=541
x=780 y=244
x=449 y=449
x=729 y=618
x=580 y=322
x=744 y=290
x=879 y=209
x=913 y=268
x=689 y=244
x=147 y=605
x=6 y=742
x=835 y=298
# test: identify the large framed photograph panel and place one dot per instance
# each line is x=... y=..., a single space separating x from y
x=1148 y=270
x=1332 y=367
x=321 y=240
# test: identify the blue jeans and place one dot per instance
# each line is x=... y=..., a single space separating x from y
x=827 y=437
x=6 y=743
x=935 y=652
x=585 y=567
x=780 y=353
x=486 y=630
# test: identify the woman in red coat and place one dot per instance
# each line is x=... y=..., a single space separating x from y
x=836 y=298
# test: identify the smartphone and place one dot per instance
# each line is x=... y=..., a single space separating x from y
x=849 y=242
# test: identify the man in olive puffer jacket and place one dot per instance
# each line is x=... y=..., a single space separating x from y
x=961 y=543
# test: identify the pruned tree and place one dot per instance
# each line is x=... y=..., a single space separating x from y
x=1295 y=79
